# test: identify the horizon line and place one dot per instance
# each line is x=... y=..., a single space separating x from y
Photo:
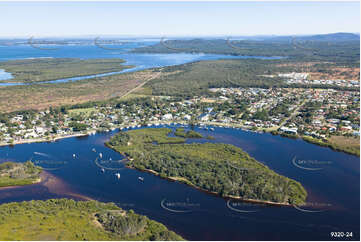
x=172 y=36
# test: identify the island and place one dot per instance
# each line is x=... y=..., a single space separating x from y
x=48 y=69
x=220 y=169
x=66 y=219
x=19 y=174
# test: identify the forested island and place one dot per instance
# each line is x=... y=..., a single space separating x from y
x=19 y=174
x=65 y=219
x=223 y=169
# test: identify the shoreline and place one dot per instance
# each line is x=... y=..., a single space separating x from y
x=186 y=182
x=54 y=185
x=37 y=181
x=43 y=140
x=159 y=123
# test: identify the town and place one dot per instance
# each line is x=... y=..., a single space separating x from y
x=303 y=78
x=317 y=113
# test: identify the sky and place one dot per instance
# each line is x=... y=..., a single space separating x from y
x=45 y=19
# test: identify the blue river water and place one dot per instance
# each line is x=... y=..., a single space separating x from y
x=333 y=190
x=140 y=61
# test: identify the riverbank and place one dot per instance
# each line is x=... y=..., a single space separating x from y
x=46 y=139
x=205 y=125
x=185 y=181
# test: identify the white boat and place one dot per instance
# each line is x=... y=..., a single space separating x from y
x=74 y=155
x=103 y=170
x=117 y=175
x=93 y=150
x=100 y=155
x=212 y=129
x=141 y=178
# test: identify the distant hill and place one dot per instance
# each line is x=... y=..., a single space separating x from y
x=335 y=37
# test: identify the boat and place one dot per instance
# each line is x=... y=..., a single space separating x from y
x=74 y=155
x=93 y=150
x=141 y=178
x=100 y=155
x=117 y=175
x=103 y=170
x=212 y=129
x=110 y=158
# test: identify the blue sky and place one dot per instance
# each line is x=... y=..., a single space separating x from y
x=177 y=18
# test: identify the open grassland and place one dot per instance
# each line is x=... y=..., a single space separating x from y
x=41 y=96
x=222 y=169
x=37 y=70
x=64 y=219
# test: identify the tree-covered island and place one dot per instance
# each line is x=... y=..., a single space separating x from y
x=222 y=169
x=19 y=174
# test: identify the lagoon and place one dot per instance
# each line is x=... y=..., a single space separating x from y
x=140 y=61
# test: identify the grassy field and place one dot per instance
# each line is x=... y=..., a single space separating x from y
x=64 y=219
x=222 y=169
x=349 y=145
x=41 y=96
x=81 y=111
x=18 y=174
x=37 y=70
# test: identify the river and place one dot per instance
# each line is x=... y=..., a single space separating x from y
x=332 y=185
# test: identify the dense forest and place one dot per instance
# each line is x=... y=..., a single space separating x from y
x=194 y=79
x=320 y=48
x=65 y=219
x=220 y=168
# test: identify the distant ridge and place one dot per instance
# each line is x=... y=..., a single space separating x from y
x=321 y=37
